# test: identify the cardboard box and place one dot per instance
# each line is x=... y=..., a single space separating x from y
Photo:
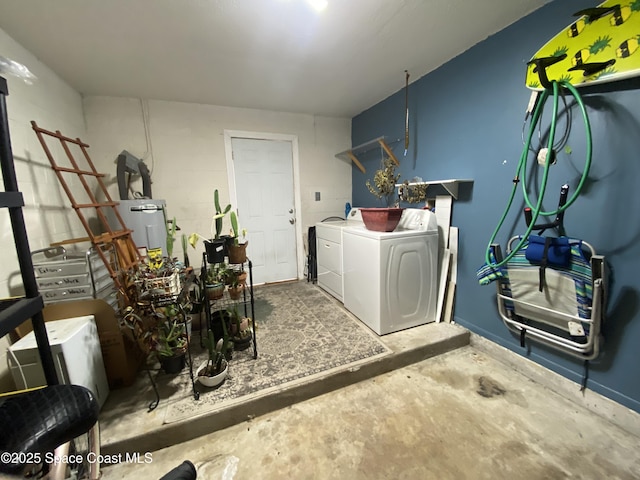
x=122 y=358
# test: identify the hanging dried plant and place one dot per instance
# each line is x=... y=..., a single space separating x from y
x=413 y=193
x=385 y=181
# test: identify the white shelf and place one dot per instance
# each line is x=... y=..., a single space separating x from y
x=450 y=185
x=352 y=153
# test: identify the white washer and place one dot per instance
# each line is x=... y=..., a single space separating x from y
x=390 y=278
x=329 y=252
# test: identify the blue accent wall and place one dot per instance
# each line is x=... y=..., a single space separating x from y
x=466 y=121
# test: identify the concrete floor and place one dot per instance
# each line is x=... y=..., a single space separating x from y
x=126 y=426
x=459 y=415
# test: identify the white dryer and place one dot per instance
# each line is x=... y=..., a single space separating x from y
x=390 y=278
x=329 y=252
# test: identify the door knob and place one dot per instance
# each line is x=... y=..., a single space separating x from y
x=292 y=221
x=291 y=210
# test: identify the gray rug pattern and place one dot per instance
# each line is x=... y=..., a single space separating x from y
x=301 y=332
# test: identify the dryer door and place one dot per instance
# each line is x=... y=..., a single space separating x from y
x=410 y=282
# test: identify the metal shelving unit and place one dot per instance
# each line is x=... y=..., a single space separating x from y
x=15 y=311
x=246 y=302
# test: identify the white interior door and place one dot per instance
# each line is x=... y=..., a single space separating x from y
x=264 y=190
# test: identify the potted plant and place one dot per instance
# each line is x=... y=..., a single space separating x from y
x=236 y=275
x=170 y=226
x=240 y=331
x=185 y=252
x=157 y=317
x=215 y=280
x=385 y=180
x=195 y=305
x=416 y=193
x=241 y=277
x=383 y=219
x=221 y=323
x=237 y=250
x=236 y=283
x=171 y=345
x=216 y=245
x=179 y=312
x=214 y=370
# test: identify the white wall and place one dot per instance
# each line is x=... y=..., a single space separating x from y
x=188 y=154
x=54 y=105
x=188 y=159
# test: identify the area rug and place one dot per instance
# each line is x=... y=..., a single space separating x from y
x=301 y=333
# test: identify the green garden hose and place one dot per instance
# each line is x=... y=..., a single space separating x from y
x=521 y=170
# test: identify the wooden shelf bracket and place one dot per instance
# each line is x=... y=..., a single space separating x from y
x=352 y=153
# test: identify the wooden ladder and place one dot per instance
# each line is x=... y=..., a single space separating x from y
x=128 y=257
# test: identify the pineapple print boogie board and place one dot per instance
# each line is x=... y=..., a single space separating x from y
x=606 y=38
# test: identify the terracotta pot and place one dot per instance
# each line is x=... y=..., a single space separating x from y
x=238 y=253
x=242 y=278
x=236 y=292
x=244 y=325
x=381 y=219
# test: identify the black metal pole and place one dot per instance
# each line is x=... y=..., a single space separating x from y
x=253 y=312
x=196 y=394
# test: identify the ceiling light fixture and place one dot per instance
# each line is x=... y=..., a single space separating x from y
x=318 y=5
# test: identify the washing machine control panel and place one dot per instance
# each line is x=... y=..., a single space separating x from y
x=416 y=219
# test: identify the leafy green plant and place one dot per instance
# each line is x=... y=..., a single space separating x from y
x=216 y=354
x=216 y=221
x=242 y=329
x=170 y=228
x=171 y=236
x=235 y=231
x=236 y=276
x=217 y=273
x=185 y=242
x=219 y=213
x=171 y=339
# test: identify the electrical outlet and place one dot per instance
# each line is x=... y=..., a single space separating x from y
x=317 y=196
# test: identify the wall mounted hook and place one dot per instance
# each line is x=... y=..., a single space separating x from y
x=589 y=69
x=541 y=65
x=595 y=13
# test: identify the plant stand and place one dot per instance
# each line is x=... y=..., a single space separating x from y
x=245 y=302
x=168 y=299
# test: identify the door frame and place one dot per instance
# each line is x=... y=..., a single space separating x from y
x=231 y=176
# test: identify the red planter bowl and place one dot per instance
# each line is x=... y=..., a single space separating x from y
x=381 y=219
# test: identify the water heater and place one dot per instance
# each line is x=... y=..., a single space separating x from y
x=145 y=217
